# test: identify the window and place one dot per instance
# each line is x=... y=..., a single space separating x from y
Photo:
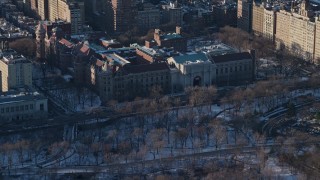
x=12 y=109
x=21 y=108
x=17 y=108
x=7 y=109
x=217 y=71
x=41 y=107
x=2 y=110
x=226 y=70
x=26 y=107
x=31 y=106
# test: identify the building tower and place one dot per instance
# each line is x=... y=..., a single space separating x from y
x=40 y=35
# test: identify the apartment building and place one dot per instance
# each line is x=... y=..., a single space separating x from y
x=43 y=10
x=295 y=30
x=257 y=19
x=16 y=70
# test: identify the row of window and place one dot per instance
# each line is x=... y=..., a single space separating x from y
x=16 y=108
x=231 y=69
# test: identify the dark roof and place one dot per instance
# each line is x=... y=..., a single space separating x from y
x=231 y=57
x=133 y=69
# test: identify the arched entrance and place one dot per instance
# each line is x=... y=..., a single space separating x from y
x=197 y=81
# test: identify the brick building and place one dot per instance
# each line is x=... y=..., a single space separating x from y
x=168 y=40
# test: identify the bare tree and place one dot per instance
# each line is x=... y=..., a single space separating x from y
x=25 y=46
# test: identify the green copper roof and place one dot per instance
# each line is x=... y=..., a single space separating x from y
x=190 y=57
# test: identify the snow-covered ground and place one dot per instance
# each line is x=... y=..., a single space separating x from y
x=77 y=100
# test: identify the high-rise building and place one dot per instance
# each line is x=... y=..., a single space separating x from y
x=263 y=21
x=53 y=10
x=122 y=15
x=295 y=30
x=16 y=70
x=244 y=15
x=269 y=24
x=43 y=10
x=34 y=4
x=148 y=17
x=71 y=12
x=257 y=19
x=172 y=14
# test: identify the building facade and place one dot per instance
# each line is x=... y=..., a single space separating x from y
x=23 y=106
x=296 y=31
x=234 y=69
x=269 y=25
x=191 y=70
x=148 y=17
x=257 y=19
x=16 y=71
x=43 y=9
x=123 y=15
x=168 y=40
x=244 y=15
x=200 y=69
x=131 y=81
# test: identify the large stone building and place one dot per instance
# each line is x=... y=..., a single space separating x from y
x=23 y=106
x=130 y=81
x=234 y=69
x=194 y=69
x=200 y=69
x=16 y=70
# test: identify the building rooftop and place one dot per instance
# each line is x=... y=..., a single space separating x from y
x=15 y=96
x=146 y=50
x=190 y=58
x=116 y=59
x=231 y=57
x=210 y=47
x=134 y=69
x=170 y=36
x=12 y=57
x=66 y=43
